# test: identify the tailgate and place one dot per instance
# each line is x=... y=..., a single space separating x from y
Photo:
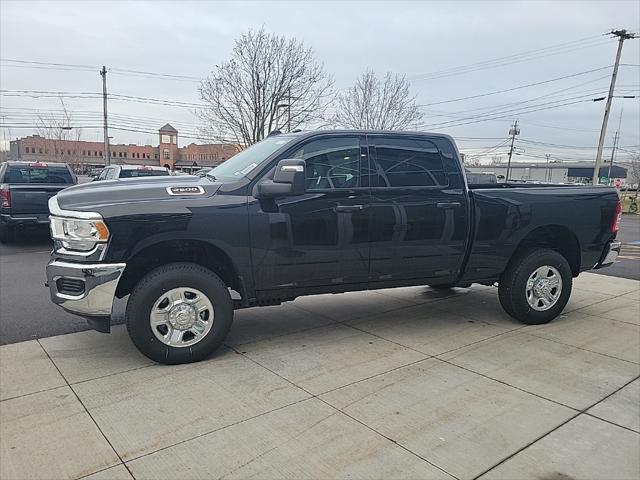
x=32 y=198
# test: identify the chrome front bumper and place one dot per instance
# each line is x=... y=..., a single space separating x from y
x=84 y=289
x=611 y=252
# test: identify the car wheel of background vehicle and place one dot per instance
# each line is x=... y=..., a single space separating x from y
x=7 y=233
x=179 y=313
x=536 y=286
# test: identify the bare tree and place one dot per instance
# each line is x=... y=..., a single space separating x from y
x=380 y=105
x=269 y=80
x=634 y=170
x=496 y=160
x=471 y=161
x=62 y=136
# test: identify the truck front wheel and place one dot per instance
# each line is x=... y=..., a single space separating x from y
x=536 y=286
x=179 y=313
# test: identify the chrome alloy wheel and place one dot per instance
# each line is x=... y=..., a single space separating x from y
x=181 y=317
x=544 y=288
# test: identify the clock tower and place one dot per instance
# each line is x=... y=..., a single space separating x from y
x=168 y=146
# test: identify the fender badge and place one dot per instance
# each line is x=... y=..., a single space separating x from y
x=185 y=190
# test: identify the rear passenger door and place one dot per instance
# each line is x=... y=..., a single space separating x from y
x=418 y=211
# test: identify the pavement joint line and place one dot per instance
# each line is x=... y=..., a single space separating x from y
x=580 y=412
x=429 y=355
x=200 y=435
x=352 y=418
x=104 y=470
x=507 y=384
x=615 y=320
x=612 y=423
x=281 y=444
x=79 y=382
x=32 y=393
x=85 y=409
x=579 y=348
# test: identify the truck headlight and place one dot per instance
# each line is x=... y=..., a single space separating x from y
x=79 y=234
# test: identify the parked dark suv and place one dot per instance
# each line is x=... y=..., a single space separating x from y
x=25 y=190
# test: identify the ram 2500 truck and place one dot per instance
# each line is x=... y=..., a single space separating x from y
x=316 y=212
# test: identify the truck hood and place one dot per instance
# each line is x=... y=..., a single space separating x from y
x=93 y=195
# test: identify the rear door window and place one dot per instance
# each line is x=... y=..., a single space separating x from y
x=407 y=162
x=29 y=174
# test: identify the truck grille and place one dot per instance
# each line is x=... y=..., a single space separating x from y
x=70 y=286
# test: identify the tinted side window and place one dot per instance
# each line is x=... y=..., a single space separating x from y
x=110 y=173
x=407 y=162
x=331 y=162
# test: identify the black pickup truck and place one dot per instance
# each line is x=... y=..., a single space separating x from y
x=25 y=189
x=316 y=212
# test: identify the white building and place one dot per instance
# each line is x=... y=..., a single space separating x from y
x=565 y=172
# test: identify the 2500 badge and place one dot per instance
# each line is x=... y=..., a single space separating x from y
x=185 y=190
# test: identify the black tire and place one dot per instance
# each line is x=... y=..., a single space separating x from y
x=161 y=280
x=7 y=233
x=513 y=285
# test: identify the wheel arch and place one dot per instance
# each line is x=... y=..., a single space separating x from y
x=164 y=252
x=555 y=237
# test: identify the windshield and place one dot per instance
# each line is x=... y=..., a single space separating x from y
x=242 y=163
x=142 y=173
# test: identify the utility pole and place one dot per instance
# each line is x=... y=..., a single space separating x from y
x=547 y=175
x=289 y=112
x=513 y=132
x=103 y=74
x=622 y=36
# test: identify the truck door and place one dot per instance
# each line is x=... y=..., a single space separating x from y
x=418 y=226
x=319 y=238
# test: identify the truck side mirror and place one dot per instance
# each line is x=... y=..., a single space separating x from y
x=288 y=179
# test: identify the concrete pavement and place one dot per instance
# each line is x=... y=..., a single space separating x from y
x=403 y=383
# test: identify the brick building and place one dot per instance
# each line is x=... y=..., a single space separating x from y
x=85 y=155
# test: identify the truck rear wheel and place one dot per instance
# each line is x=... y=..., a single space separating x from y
x=179 y=313
x=536 y=286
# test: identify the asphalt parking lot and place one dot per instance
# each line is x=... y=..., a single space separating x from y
x=403 y=383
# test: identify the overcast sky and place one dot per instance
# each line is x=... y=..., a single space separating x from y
x=418 y=39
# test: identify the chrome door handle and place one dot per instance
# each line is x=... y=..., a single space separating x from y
x=347 y=208
x=448 y=204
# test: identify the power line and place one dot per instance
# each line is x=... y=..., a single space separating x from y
x=495 y=92
x=90 y=68
x=510 y=112
x=511 y=59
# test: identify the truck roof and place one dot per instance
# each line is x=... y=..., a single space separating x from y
x=141 y=167
x=48 y=164
x=304 y=133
